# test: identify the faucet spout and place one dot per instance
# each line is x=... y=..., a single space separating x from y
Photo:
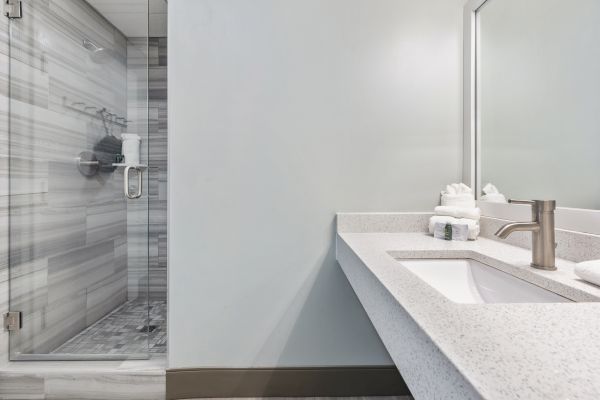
x=507 y=229
x=542 y=232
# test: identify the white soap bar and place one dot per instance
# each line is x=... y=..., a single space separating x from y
x=439 y=231
x=460 y=232
x=456 y=231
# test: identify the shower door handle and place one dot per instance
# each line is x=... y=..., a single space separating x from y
x=128 y=194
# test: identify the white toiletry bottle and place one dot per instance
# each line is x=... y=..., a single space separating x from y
x=131 y=148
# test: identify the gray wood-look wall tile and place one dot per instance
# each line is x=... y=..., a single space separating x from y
x=157 y=61
x=137 y=211
x=39 y=231
x=151 y=124
x=105 y=296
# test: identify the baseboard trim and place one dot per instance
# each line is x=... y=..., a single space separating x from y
x=285 y=382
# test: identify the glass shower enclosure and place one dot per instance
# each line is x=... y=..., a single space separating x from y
x=78 y=205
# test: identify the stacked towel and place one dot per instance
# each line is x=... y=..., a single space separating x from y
x=458 y=208
x=458 y=195
x=459 y=212
x=492 y=195
x=589 y=271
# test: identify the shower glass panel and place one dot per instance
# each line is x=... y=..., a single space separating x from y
x=78 y=251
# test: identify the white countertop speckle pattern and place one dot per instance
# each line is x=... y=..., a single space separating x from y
x=505 y=351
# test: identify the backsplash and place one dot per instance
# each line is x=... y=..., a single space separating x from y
x=382 y=222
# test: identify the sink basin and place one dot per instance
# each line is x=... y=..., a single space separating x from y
x=471 y=282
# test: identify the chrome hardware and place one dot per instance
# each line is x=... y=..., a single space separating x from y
x=13 y=321
x=87 y=163
x=93 y=112
x=525 y=202
x=542 y=232
x=13 y=9
x=128 y=194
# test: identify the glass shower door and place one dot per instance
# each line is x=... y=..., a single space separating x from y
x=78 y=230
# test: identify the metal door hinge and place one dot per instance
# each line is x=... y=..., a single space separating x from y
x=13 y=321
x=13 y=8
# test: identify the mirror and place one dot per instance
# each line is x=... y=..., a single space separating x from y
x=538 y=99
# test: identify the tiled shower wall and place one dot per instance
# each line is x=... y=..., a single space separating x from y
x=77 y=269
x=157 y=186
x=137 y=211
x=154 y=224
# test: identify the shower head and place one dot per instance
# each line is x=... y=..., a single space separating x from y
x=99 y=55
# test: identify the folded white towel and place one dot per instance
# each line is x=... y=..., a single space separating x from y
x=459 y=212
x=589 y=271
x=471 y=223
x=463 y=200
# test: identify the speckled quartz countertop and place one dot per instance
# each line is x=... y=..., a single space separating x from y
x=505 y=351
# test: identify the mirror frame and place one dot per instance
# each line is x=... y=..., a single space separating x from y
x=572 y=219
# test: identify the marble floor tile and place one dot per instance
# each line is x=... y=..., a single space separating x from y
x=105 y=387
x=21 y=386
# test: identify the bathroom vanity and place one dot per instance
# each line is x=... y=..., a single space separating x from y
x=493 y=327
x=474 y=320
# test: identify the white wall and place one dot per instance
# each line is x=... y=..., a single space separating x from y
x=283 y=112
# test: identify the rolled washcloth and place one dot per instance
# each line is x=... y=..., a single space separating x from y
x=459 y=212
x=471 y=223
x=589 y=271
x=458 y=195
x=492 y=195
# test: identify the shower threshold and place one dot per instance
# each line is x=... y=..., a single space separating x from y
x=85 y=373
x=108 y=379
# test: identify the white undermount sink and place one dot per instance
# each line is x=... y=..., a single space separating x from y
x=471 y=282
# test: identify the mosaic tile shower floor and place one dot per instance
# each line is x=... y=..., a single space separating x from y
x=123 y=331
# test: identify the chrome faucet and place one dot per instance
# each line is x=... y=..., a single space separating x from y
x=542 y=231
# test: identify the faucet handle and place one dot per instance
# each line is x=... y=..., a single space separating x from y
x=542 y=205
x=526 y=202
